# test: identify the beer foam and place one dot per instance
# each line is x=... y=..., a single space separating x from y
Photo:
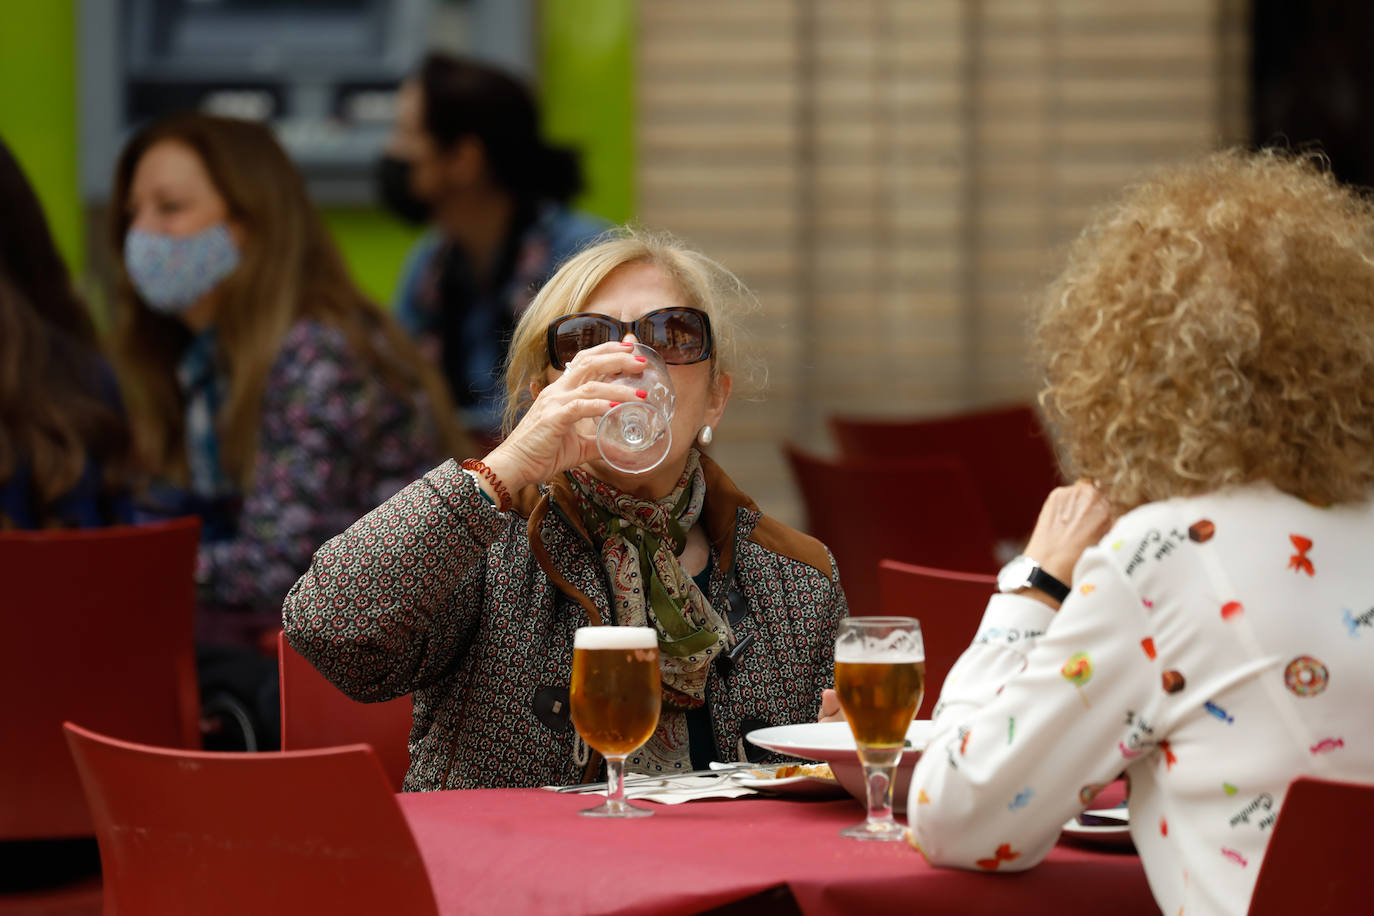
x=898 y=647
x=887 y=656
x=615 y=638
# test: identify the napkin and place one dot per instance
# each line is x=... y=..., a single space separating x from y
x=674 y=790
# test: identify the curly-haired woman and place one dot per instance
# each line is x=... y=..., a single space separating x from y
x=1203 y=618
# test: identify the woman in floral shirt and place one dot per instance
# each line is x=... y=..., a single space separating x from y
x=267 y=394
x=1207 y=361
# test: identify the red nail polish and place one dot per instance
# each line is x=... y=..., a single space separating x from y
x=641 y=359
x=641 y=393
x=615 y=403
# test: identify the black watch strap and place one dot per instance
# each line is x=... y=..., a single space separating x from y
x=1048 y=584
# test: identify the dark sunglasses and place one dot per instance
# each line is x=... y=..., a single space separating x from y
x=681 y=336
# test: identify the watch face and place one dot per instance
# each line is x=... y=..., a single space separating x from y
x=1015 y=574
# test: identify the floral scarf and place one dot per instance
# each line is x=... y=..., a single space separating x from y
x=640 y=541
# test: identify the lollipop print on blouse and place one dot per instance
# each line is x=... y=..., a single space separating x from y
x=1078 y=670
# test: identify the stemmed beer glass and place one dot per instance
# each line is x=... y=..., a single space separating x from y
x=880 y=669
x=615 y=700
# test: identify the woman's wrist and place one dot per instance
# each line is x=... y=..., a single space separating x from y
x=508 y=468
x=490 y=482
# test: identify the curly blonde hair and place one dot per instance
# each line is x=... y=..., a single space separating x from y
x=1216 y=327
x=704 y=284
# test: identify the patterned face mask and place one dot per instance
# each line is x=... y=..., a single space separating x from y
x=173 y=272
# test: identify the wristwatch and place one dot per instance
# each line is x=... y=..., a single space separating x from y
x=1023 y=572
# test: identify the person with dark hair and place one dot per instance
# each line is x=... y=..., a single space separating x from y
x=466 y=154
x=64 y=442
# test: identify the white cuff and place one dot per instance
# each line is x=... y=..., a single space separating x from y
x=1010 y=619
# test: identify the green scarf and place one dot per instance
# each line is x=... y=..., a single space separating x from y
x=640 y=541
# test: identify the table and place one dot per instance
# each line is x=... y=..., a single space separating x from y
x=514 y=851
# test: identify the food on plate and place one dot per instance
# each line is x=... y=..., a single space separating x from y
x=788 y=770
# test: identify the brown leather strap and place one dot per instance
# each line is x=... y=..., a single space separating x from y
x=593 y=767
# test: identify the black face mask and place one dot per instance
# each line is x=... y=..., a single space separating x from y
x=393 y=186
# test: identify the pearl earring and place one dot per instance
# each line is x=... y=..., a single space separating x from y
x=704 y=437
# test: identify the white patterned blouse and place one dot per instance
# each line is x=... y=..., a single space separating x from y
x=1213 y=648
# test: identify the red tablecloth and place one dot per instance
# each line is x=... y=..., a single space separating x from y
x=513 y=851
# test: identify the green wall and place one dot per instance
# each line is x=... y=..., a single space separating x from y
x=373 y=244
x=38 y=109
x=587 y=84
x=586 y=66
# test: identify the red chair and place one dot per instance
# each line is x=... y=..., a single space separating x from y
x=924 y=511
x=949 y=606
x=315 y=713
x=1012 y=462
x=1317 y=861
x=98 y=627
x=227 y=833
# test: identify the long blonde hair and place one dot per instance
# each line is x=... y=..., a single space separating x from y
x=704 y=284
x=290 y=269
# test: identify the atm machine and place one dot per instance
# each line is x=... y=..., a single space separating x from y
x=322 y=73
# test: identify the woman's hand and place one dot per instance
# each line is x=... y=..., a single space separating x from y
x=830 y=707
x=1072 y=519
x=547 y=439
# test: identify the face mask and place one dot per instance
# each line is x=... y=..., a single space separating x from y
x=171 y=272
x=393 y=187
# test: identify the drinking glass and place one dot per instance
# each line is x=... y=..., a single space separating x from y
x=635 y=435
x=615 y=699
x=880 y=670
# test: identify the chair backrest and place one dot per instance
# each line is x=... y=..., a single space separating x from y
x=217 y=833
x=1317 y=861
x=97 y=626
x=1005 y=450
x=948 y=604
x=924 y=511
x=315 y=713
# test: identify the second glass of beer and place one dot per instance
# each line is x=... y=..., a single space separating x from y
x=880 y=668
x=615 y=698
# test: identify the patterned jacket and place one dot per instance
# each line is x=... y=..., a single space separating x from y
x=473 y=610
x=334 y=442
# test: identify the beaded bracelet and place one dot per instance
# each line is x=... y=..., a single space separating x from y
x=473 y=464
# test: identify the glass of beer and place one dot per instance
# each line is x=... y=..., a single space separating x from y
x=615 y=698
x=880 y=672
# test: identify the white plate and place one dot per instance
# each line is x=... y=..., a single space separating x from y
x=798 y=786
x=828 y=741
x=833 y=743
x=1114 y=836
